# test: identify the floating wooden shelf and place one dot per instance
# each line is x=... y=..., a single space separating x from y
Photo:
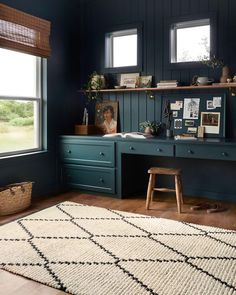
x=214 y=86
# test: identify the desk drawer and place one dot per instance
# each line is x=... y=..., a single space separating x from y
x=90 y=178
x=206 y=152
x=89 y=153
x=147 y=148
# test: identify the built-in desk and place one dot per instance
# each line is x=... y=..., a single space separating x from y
x=96 y=163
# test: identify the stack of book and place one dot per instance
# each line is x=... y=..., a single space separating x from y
x=185 y=136
x=167 y=83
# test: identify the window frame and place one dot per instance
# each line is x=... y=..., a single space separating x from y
x=39 y=98
x=108 y=49
x=191 y=18
x=184 y=25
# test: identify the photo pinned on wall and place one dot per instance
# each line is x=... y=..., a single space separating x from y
x=191 y=108
x=217 y=102
x=211 y=122
x=189 y=123
x=210 y=105
x=175 y=114
x=129 y=80
x=176 y=106
x=106 y=115
x=192 y=130
x=144 y=81
x=178 y=123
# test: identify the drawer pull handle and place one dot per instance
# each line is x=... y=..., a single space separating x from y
x=159 y=150
x=131 y=148
x=101 y=154
x=190 y=152
x=101 y=180
x=69 y=151
x=224 y=154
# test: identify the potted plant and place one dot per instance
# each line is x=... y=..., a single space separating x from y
x=168 y=114
x=149 y=127
x=95 y=83
x=215 y=63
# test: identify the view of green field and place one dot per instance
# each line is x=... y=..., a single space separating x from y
x=16 y=126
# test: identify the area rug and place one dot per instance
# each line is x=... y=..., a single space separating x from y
x=90 y=250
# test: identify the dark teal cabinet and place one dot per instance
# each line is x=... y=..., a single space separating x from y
x=91 y=178
x=88 y=152
x=203 y=151
x=147 y=148
x=88 y=164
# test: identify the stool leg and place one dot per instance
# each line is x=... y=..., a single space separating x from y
x=181 y=190
x=178 y=193
x=150 y=190
x=153 y=185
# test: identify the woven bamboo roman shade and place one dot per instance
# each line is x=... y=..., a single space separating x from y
x=23 y=32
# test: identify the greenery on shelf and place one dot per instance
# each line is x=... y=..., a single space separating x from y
x=95 y=83
x=213 y=62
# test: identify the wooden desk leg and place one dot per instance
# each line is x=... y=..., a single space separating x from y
x=150 y=190
x=178 y=193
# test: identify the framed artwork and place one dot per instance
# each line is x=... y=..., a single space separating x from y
x=144 y=82
x=106 y=114
x=129 y=80
x=211 y=122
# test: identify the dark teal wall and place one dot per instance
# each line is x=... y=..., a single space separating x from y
x=203 y=178
x=61 y=76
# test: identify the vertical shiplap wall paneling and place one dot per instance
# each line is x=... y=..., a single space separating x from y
x=120 y=99
x=158 y=41
x=193 y=6
x=127 y=111
x=104 y=15
x=135 y=111
x=142 y=107
x=204 y=5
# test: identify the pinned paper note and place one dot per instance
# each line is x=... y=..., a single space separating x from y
x=217 y=102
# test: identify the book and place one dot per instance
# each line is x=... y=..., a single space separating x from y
x=185 y=136
x=129 y=134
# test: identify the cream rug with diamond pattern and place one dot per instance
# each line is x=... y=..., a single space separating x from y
x=89 y=250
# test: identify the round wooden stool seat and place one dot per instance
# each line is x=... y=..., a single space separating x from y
x=154 y=171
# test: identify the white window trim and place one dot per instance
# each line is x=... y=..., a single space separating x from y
x=173 y=35
x=39 y=114
x=109 y=58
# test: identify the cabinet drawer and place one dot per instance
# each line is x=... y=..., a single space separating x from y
x=206 y=152
x=88 y=153
x=147 y=148
x=90 y=178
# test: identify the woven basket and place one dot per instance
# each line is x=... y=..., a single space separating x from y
x=15 y=197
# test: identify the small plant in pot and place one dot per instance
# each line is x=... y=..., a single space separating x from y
x=94 y=85
x=168 y=114
x=149 y=127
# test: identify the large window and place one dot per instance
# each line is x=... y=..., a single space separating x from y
x=20 y=102
x=190 y=41
x=122 y=49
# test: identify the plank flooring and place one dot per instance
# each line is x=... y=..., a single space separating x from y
x=164 y=207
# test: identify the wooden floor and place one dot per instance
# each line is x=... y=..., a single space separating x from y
x=165 y=207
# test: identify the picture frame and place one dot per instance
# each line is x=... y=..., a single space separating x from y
x=129 y=80
x=144 y=82
x=106 y=116
x=211 y=122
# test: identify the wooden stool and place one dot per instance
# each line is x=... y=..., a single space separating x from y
x=178 y=185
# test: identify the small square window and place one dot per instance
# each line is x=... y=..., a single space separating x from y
x=190 y=41
x=121 y=49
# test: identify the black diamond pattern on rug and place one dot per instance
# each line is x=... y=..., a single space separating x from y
x=89 y=250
